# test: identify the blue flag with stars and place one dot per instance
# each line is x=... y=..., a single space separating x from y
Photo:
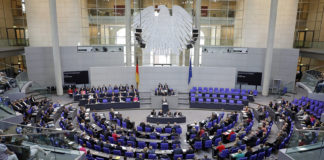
x=190 y=71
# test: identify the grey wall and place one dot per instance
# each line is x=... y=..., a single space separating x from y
x=217 y=70
x=283 y=67
x=175 y=77
x=40 y=62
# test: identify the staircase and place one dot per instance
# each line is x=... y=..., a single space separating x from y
x=183 y=101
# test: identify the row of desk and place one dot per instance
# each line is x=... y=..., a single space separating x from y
x=106 y=106
x=165 y=120
x=235 y=107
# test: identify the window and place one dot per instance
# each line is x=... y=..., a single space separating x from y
x=121 y=39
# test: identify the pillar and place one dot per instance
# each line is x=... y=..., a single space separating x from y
x=56 y=48
x=128 y=32
x=197 y=26
x=269 y=49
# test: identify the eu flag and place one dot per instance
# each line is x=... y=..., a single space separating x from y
x=190 y=71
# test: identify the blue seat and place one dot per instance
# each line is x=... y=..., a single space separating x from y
x=208 y=144
x=139 y=128
x=176 y=156
x=158 y=129
x=261 y=155
x=152 y=156
x=97 y=158
x=154 y=145
x=224 y=154
x=217 y=140
x=117 y=152
x=164 y=146
x=190 y=156
x=224 y=129
x=257 y=142
x=253 y=157
x=102 y=137
x=244 y=158
x=81 y=141
x=118 y=122
x=141 y=144
x=152 y=136
x=106 y=150
x=97 y=147
x=138 y=154
x=132 y=143
x=168 y=130
x=234 y=150
x=282 y=145
x=148 y=129
x=129 y=154
x=242 y=147
x=124 y=125
x=268 y=152
x=219 y=132
x=89 y=145
x=179 y=130
x=111 y=140
x=233 y=137
x=121 y=141
x=198 y=145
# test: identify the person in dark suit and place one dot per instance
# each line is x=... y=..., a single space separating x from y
x=129 y=124
x=177 y=150
x=190 y=150
x=153 y=113
x=160 y=113
x=249 y=152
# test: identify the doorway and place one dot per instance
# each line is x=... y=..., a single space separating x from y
x=16 y=37
x=304 y=39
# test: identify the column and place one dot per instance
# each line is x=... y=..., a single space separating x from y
x=218 y=35
x=197 y=26
x=184 y=57
x=269 y=49
x=128 y=32
x=56 y=48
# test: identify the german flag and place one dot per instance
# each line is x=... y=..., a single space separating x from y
x=137 y=73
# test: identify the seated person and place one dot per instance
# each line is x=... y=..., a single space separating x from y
x=153 y=113
x=135 y=99
x=239 y=155
x=220 y=147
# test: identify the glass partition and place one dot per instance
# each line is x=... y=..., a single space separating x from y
x=21 y=79
x=41 y=143
x=312 y=79
x=306 y=142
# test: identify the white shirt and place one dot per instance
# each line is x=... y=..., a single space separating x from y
x=3 y=154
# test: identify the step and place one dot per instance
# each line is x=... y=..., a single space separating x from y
x=183 y=101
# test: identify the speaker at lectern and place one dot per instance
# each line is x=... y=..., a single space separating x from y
x=165 y=105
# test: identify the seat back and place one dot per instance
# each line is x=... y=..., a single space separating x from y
x=176 y=156
x=164 y=146
x=152 y=156
x=106 y=150
x=141 y=144
x=129 y=154
x=198 y=145
x=153 y=144
x=117 y=152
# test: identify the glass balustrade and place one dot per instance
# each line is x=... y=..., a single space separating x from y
x=306 y=144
